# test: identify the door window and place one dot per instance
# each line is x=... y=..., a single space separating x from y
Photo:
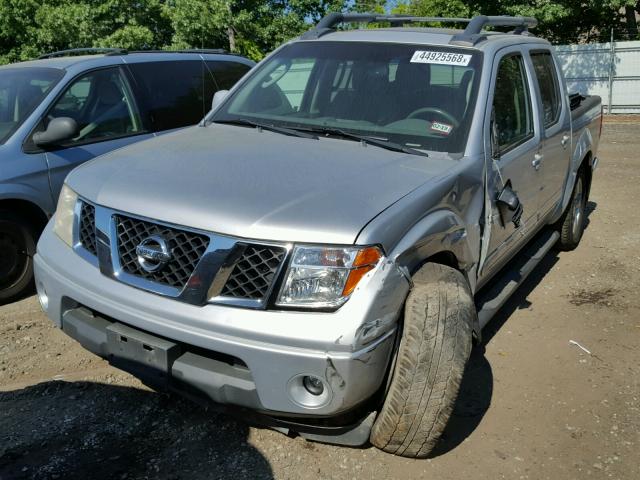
x=549 y=87
x=102 y=104
x=227 y=73
x=178 y=93
x=512 y=104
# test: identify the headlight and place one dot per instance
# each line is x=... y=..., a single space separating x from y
x=325 y=277
x=63 y=226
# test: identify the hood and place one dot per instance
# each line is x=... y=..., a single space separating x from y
x=255 y=184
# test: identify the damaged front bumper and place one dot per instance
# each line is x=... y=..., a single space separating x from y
x=252 y=359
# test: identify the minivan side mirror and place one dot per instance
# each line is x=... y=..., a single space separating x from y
x=58 y=130
x=219 y=96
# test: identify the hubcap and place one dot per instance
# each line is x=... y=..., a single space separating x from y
x=578 y=209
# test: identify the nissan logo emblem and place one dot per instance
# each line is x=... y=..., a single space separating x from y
x=153 y=253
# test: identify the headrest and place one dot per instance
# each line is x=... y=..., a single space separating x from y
x=109 y=93
x=375 y=73
x=413 y=75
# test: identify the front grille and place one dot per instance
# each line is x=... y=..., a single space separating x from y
x=254 y=273
x=87 y=234
x=187 y=249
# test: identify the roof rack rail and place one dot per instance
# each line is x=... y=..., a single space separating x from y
x=472 y=33
x=78 y=51
x=217 y=51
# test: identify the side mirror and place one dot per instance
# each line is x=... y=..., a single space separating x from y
x=219 y=96
x=58 y=130
x=509 y=206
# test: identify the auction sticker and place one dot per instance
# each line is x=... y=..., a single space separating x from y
x=441 y=58
x=441 y=128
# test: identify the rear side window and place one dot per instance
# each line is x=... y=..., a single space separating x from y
x=512 y=103
x=227 y=73
x=177 y=94
x=549 y=87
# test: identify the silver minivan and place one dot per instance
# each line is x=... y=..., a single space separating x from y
x=69 y=107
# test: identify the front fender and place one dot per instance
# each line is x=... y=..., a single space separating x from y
x=440 y=231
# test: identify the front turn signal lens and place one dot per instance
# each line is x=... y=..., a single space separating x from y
x=365 y=261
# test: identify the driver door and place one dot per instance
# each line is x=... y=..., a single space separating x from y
x=103 y=105
x=513 y=158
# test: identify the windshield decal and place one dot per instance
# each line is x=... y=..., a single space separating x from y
x=441 y=58
x=441 y=128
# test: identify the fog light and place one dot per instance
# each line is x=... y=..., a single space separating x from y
x=309 y=391
x=313 y=385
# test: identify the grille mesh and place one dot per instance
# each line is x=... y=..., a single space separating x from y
x=254 y=273
x=88 y=228
x=187 y=248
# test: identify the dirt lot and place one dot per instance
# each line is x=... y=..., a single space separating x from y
x=533 y=405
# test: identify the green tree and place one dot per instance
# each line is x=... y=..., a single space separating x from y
x=250 y=27
x=29 y=28
x=562 y=21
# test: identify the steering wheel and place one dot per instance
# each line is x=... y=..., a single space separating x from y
x=438 y=111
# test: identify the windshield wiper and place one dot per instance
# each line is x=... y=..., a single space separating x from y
x=378 y=142
x=264 y=126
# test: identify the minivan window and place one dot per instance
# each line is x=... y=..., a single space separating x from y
x=102 y=104
x=512 y=103
x=227 y=73
x=372 y=89
x=549 y=88
x=177 y=94
x=21 y=91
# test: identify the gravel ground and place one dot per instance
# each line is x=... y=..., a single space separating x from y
x=533 y=405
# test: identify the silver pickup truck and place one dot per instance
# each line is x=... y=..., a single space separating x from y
x=320 y=254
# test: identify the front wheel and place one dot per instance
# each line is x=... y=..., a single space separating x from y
x=17 y=246
x=433 y=352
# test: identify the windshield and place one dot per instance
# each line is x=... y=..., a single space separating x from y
x=22 y=90
x=420 y=97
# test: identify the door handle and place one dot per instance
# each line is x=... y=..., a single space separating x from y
x=537 y=161
x=565 y=140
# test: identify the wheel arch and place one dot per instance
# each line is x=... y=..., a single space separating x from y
x=28 y=209
x=441 y=238
x=586 y=163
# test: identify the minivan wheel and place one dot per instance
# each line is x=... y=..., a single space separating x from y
x=17 y=246
x=571 y=225
x=431 y=358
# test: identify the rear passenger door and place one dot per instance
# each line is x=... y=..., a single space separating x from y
x=556 y=125
x=175 y=94
x=226 y=73
x=518 y=144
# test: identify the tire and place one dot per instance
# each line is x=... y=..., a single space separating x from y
x=18 y=239
x=571 y=225
x=433 y=352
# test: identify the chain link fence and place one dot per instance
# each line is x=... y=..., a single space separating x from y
x=610 y=70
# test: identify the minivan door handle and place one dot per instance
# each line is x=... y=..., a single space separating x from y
x=537 y=161
x=565 y=140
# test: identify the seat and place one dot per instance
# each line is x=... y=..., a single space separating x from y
x=108 y=113
x=412 y=88
x=369 y=96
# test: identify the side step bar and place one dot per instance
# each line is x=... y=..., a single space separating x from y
x=505 y=285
